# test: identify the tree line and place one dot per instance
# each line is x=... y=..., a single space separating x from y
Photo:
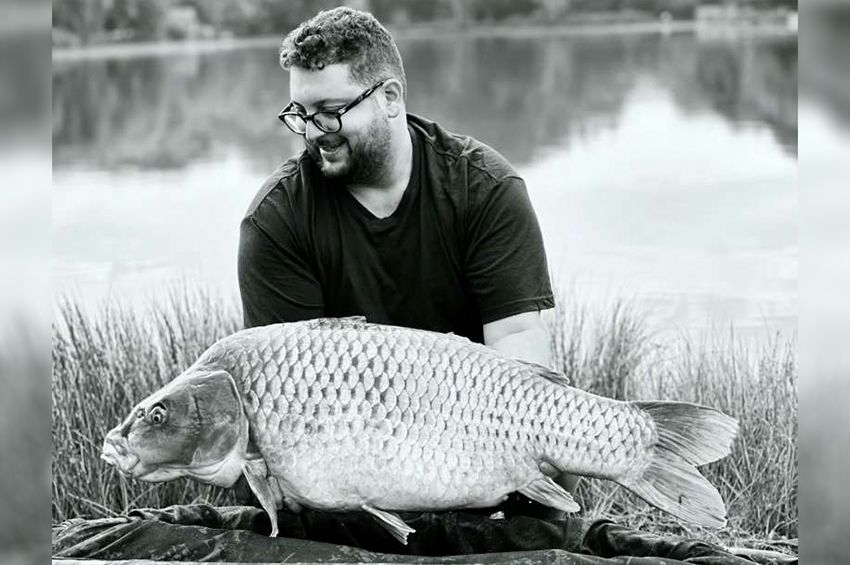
x=97 y=21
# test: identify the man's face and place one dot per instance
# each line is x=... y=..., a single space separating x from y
x=359 y=152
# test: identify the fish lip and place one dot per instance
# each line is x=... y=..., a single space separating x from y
x=116 y=454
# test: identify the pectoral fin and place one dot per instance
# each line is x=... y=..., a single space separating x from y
x=267 y=493
x=548 y=492
x=391 y=522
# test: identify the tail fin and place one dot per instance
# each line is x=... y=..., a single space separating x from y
x=688 y=435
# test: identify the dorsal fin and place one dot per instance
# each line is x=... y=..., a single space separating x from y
x=350 y=319
x=547 y=373
x=457 y=337
x=355 y=322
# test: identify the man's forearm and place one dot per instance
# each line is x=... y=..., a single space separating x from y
x=528 y=345
x=522 y=336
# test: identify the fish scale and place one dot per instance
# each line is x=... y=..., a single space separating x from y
x=340 y=414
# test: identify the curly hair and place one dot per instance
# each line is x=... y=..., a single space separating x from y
x=344 y=35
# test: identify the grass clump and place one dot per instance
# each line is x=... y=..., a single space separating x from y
x=103 y=363
x=754 y=381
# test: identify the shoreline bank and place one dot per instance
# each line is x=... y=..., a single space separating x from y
x=419 y=32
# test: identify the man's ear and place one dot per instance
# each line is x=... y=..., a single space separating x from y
x=394 y=95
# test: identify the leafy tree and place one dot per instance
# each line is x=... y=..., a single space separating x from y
x=501 y=9
x=149 y=17
x=145 y=19
x=82 y=17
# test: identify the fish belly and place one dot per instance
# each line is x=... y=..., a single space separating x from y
x=346 y=472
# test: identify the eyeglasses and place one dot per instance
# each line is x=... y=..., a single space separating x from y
x=327 y=121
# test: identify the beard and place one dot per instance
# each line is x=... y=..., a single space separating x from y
x=364 y=162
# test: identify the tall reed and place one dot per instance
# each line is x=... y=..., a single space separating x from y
x=105 y=362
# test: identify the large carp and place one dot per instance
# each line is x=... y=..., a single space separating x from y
x=341 y=414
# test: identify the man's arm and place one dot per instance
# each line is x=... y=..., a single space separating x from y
x=521 y=336
x=276 y=283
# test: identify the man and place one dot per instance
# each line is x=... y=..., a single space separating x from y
x=387 y=214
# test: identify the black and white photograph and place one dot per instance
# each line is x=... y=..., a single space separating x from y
x=433 y=281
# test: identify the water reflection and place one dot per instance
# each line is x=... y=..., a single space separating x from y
x=525 y=93
x=163 y=113
x=516 y=94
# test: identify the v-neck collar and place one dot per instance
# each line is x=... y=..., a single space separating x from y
x=406 y=198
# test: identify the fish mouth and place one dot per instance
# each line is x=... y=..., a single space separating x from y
x=116 y=454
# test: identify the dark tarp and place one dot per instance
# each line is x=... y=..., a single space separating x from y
x=239 y=534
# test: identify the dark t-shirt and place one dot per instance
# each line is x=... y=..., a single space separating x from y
x=462 y=249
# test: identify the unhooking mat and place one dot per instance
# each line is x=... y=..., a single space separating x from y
x=239 y=534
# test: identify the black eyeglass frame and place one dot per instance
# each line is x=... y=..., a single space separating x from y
x=335 y=113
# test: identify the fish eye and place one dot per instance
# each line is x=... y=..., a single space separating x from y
x=157 y=414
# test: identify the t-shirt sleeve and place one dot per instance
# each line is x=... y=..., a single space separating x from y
x=505 y=260
x=276 y=283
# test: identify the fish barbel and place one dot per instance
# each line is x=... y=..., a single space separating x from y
x=341 y=414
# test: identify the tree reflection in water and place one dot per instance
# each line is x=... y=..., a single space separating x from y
x=519 y=95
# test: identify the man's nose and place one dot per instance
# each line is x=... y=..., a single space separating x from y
x=312 y=132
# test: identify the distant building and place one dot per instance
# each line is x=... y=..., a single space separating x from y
x=719 y=13
x=182 y=22
x=743 y=13
x=554 y=9
x=793 y=20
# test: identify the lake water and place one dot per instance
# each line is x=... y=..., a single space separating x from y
x=662 y=168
